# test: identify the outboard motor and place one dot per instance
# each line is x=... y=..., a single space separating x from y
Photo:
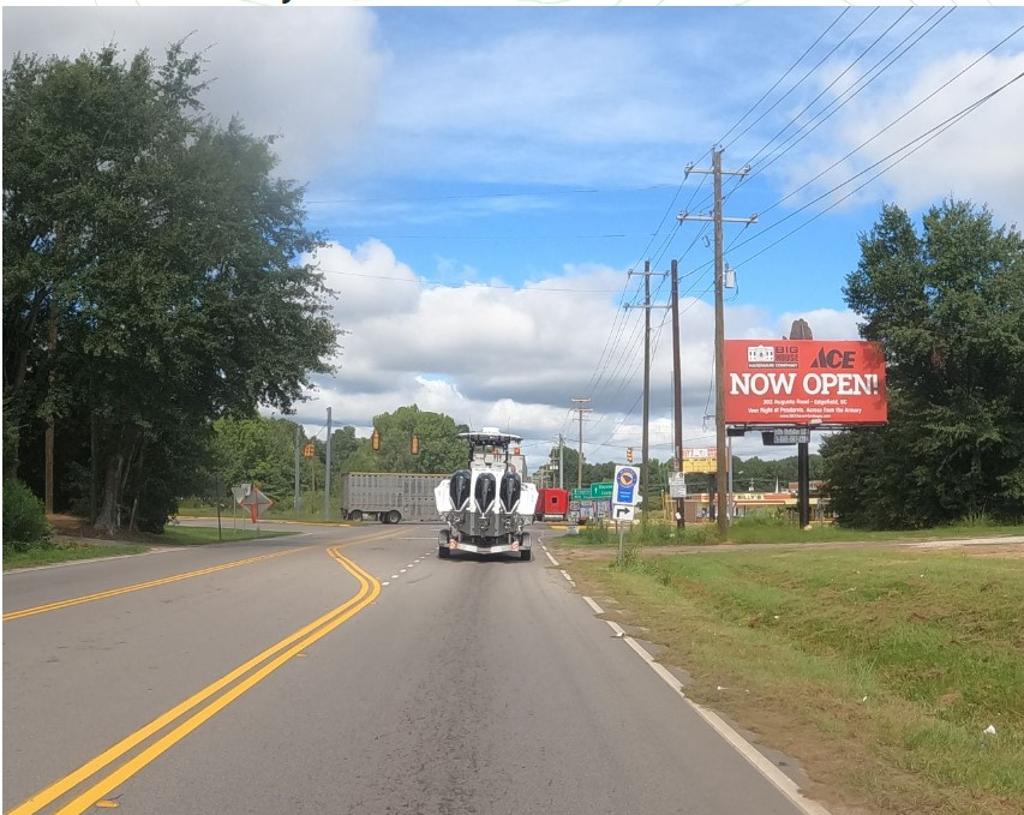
x=510 y=489
x=485 y=491
x=458 y=489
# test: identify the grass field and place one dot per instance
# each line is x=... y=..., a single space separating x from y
x=764 y=529
x=191 y=535
x=67 y=549
x=879 y=669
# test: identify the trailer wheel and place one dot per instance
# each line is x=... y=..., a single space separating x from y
x=394 y=516
x=526 y=554
x=355 y=515
x=444 y=552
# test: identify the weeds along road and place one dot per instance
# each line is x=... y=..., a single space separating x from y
x=343 y=670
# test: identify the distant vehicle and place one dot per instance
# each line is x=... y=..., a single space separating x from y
x=552 y=504
x=389 y=497
x=487 y=505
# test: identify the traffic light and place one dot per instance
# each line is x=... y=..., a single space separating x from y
x=629 y=454
x=375 y=440
x=414 y=445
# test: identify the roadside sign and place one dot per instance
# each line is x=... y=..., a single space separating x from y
x=623 y=512
x=309 y=450
x=626 y=480
x=257 y=503
x=580 y=494
x=677 y=485
x=601 y=490
x=700 y=460
x=787 y=435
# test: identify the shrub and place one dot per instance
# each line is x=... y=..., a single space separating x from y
x=25 y=523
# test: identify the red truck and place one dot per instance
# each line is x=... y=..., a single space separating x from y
x=552 y=504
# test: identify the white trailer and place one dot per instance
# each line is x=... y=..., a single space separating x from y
x=389 y=497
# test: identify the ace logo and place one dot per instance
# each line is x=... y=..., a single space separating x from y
x=833 y=359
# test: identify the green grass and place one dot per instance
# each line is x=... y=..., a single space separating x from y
x=770 y=529
x=67 y=549
x=275 y=514
x=879 y=669
x=192 y=535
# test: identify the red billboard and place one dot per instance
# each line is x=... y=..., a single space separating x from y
x=804 y=382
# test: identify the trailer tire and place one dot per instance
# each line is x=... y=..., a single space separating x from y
x=393 y=517
x=444 y=552
x=526 y=554
x=355 y=515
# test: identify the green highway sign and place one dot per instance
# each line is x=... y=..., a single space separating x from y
x=601 y=491
x=580 y=495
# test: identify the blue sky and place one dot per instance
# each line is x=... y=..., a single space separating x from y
x=544 y=147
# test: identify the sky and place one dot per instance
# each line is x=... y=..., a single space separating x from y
x=485 y=179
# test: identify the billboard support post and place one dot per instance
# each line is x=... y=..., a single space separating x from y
x=803 y=478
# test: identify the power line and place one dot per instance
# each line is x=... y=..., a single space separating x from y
x=802 y=79
x=935 y=132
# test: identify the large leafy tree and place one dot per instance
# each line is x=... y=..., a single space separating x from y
x=948 y=306
x=441 y=449
x=160 y=250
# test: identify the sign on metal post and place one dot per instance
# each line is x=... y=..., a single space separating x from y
x=804 y=382
x=601 y=491
x=625 y=485
x=787 y=435
x=677 y=485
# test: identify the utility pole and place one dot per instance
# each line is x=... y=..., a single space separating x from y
x=50 y=420
x=297 y=502
x=718 y=219
x=645 y=438
x=581 y=410
x=561 y=462
x=677 y=386
x=327 y=472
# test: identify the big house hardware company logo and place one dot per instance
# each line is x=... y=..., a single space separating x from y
x=804 y=382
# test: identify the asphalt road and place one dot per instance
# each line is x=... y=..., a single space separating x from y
x=400 y=683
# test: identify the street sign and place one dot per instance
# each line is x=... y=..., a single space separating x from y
x=623 y=512
x=309 y=450
x=579 y=494
x=257 y=503
x=601 y=490
x=626 y=479
x=676 y=485
x=787 y=435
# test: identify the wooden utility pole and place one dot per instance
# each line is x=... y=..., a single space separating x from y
x=645 y=437
x=50 y=420
x=677 y=387
x=718 y=219
x=327 y=471
x=581 y=401
x=297 y=500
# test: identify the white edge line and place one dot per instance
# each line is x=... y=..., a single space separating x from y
x=553 y=561
x=567 y=576
x=594 y=606
x=394 y=577
x=386 y=583
x=782 y=782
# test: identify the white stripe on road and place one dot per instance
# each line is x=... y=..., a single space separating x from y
x=594 y=606
x=553 y=561
x=386 y=583
x=394 y=577
x=782 y=782
x=565 y=574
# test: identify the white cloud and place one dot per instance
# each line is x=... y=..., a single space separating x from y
x=310 y=75
x=514 y=357
x=976 y=158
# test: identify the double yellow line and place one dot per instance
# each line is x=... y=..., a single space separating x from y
x=162 y=581
x=203 y=702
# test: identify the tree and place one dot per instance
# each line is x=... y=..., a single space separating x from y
x=441 y=449
x=948 y=307
x=162 y=250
